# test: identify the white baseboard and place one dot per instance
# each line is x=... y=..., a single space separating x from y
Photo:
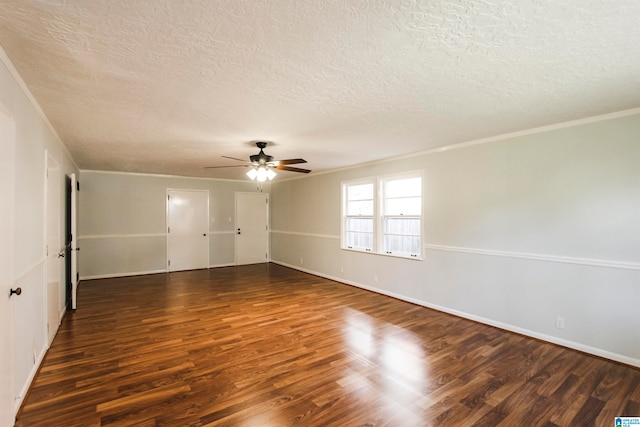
x=507 y=327
x=123 y=274
x=27 y=384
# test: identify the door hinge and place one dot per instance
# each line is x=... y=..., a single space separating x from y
x=47 y=250
x=168 y=197
x=168 y=229
x=169 y=263
x=77 y=185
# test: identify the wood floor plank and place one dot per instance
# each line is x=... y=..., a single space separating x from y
x=266 y=345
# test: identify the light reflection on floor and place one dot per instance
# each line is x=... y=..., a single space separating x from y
x=388 y=364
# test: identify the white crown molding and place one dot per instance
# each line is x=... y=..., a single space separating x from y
x=501 y=137
x=21 y=83
x=157 y=175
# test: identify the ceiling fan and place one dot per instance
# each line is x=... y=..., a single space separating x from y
x=262 y=165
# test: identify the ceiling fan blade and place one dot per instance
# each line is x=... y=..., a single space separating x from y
x=231 y=166
x=233 y=158
x=290 y=169
x=290 y=161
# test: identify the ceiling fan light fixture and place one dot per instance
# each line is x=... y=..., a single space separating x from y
x=261 y=174
x=270 y=174
x=252 y=174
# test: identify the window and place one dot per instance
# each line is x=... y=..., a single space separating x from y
x=401 y=215
x=358 y=203
x=389 y=207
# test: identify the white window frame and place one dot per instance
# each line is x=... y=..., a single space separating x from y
x=383 y=216
x=345 y=217
x=379 y=217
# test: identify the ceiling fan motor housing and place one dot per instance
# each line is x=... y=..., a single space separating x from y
x=261 y=158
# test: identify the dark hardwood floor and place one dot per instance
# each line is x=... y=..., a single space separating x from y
x=265 y=345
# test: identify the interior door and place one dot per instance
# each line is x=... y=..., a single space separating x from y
x=70 y=248
x=74 y=241
x=7 y=361
x=54 y=246
x=252 y=228
x=187 y=229
x=68 y=286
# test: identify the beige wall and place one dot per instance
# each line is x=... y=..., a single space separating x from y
x=122 y=227
x=518 y=231
x=33 y=139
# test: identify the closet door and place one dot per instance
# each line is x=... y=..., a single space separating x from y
x=187 y=229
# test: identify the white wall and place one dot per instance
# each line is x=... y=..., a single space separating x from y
x=33 y=137
x=122 y=225
x=518 y=231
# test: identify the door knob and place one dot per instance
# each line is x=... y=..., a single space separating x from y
x=16 y=291
x=61 y=254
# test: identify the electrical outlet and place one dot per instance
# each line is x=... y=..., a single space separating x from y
x=301 y=261
x=341 y=269
x=560 y=322
x=375 y=278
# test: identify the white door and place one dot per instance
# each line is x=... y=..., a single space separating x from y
x=252 y=228
x=74 y=241
x=7 y=361
x=54 y=247
x=187 y=229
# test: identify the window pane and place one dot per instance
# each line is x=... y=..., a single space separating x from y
x=403 y=187
x=407 y=226
x=360 y=192
x=403 y=206
x=359 y=240
x=360 y=224
x=402 y=244
x=362 y=207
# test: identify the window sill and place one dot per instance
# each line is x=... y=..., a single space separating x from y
x=364 y=251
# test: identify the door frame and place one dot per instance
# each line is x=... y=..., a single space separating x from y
x=52 y=211
x=267 y=218
x=8 y=408
x=208 y=215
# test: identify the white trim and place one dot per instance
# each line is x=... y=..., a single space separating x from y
x=547 y=338
x=123 y=236
x=34 y=370
x=156 y=175
x=297 y=233
x=4 y=58
x=120 y=236
x=435 y=150
x=539 y=257
x=229 y=264
x=123 y=274
x=30 y=269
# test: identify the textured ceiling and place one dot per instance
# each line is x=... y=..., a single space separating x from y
x=169 y=86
